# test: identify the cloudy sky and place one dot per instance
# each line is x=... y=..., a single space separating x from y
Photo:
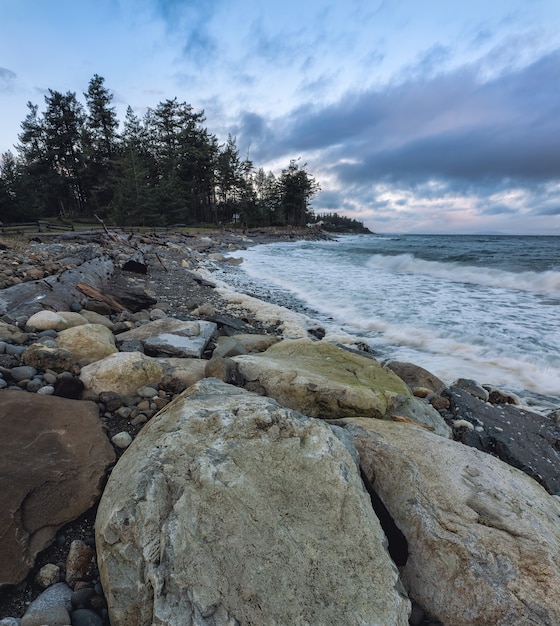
x=414 y=115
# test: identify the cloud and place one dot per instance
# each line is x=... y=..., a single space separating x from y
x=7 y=79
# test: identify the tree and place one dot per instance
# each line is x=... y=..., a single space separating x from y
x=297 y=188
x=64 y=133
x=101 y=143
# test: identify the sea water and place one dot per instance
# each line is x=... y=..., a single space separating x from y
x=480 y=307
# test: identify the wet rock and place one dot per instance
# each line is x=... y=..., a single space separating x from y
x=525 y=440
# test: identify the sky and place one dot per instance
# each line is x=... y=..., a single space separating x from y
x=415 y=116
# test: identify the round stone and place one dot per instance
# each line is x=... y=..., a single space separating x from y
x=122 y=440
x=147 y=392
x=23 y=372
x=34 y=385
x=86 y=617
x=48 y=575
x=47 y=390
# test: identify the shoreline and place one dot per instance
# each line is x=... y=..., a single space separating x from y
x=178 y=278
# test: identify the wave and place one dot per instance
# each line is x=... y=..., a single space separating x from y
x=547 y=282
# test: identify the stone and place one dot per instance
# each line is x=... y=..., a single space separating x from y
x=146 y=392
x=472 y=387
x=255 y=343
x=483 y=538
x=320 y=379
x=48 y=575
x=521 y=438
x=228 y=346
x=47 y=320
x=122 y=373
x=86 y=617
x=73 y=319
x=69 y=387
x=229 y=509
x=78 y=561
x=95 y=318
x=224 y=369
x=53 y=616
x=47 y=390
x=12 y=333
x=23 y=372
x=416 y=376
x=181 y=373
x=46 y=358
x=53 y=462
x=58 y=594
x=90 y=342
x=122 y=439
x=172 y=337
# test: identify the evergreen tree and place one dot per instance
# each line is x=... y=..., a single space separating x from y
x=297 y=188
x=101 y=143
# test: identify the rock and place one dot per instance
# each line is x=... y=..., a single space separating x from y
x=521 y=438
x=225 y=369
x=173 y=337
x=412 y=408
x=10 y=621
x=416 y=376
x=54 y=458
x=86 y=617
x=181 y=373
x=12 y=333
x=111 y=400
x=147 y=392
x=95 y=318
x=228 y=346
x=122 y=440
x=47 y=320
x=43 y=357
x=78 y=561
x=255 y=343
x=229 y=509
x=48 y=575
x=72 y=318
x=320 y=379
x=22 y=372
x=90 y=342
x=122 y=372
x=69 y=387
x=53 y=616
x=472 y=387
x=483 y=538
x=58 y=594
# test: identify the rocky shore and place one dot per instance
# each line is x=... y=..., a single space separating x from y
x=250 y=469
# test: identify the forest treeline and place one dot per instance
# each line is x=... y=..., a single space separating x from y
x=77 y=161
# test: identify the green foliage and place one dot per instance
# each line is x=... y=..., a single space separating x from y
x=163 y=168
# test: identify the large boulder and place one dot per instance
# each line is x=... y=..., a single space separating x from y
x=122 y=372
x=229 y=509
x=483 y=538
x=322 y=380
x=53 y=461
x=521 y=438
x=172 y=337
x=88 y=342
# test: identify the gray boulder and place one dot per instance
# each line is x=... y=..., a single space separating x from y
x=229 y=509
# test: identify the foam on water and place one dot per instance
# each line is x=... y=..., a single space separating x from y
x=479 y=320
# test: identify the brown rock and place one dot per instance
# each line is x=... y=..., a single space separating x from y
x=43 y=357
x=416 y=376
x=53 y=461
x=78 y=562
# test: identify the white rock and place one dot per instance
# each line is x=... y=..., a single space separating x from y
x=229 y=509
x=483 y=537
x=47 y=320
x=122 y=439
x=73 y=319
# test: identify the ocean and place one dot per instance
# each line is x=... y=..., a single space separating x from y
x=478 y=306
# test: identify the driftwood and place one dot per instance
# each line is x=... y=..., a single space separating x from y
x=118 y=298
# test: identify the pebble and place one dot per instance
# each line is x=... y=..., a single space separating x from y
x=125 y=412
x=147 y=392
x=14 y=350
x=23 y=372
x=3 y=383
x=53 y=616
x=10 y=621
x=122 y=440
x=50 y=378
x=47 y=390
x=58 y=594
x=34 y=385
x=81 y=599
x=79 y=561
x=48 y=575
